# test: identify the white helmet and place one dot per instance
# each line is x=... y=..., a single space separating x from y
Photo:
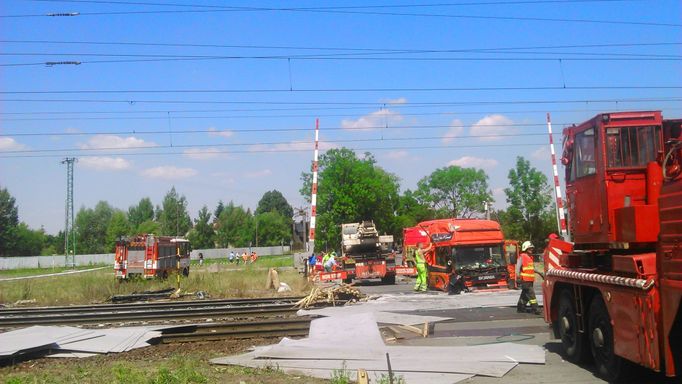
x=526 y=244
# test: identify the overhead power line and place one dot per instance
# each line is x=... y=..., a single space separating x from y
x=242 y=130
x=344 y=90
x=355 y=103
x=370 y=10
x=352 y=49
x=177 y=111
x=260 y=150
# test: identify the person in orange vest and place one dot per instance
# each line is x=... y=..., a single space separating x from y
x=525 y=276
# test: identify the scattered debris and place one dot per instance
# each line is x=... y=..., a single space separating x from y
x=333 y=345
x=19 y=303
x=335 y=294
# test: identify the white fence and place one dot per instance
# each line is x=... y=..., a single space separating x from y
x=20 y=262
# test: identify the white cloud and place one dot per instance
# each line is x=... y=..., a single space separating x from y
x=258 y=174
x=9 y=144
x=203 y=153
x=115 y=142
x=105 y=163
x=396 y=155
x=373 y=120
x=474 y=162
x=456 y=129
x=398 y=101
x=169 y=173
x=72 y=130
x=492 y=126
x=541 y=153
x=292 y=146
x=220 y=133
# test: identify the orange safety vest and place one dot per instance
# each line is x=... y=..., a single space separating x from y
x=527 y=268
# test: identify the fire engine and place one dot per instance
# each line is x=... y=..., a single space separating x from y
x=613 y=295
x=149 y=256
x=475 y=248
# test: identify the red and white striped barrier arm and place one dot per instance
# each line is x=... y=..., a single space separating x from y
x=313 y=198
x=557 y=186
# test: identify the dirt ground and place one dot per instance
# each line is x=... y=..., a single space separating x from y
x=163 y=363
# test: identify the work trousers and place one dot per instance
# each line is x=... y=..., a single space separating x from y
x=527 y=297
x=420 y=285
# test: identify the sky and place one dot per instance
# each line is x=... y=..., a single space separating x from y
x=220 y=98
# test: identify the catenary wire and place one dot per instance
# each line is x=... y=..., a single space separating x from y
x=344 y=90
x=349 y=10
x=275 y=150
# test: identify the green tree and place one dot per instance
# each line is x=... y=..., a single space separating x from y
x=529 y=215
x=149 y=226
x=351 y=189
x=91 y=228
x=202 y=236
x=28 y=242
x=138 y=214
x=54 y=245
x=218 y=210
x=455 y=191
x=173 y=216
x=410 y=212
x=118 y=226
x=274 y=201
x=272 y=228
x=9 y=219
x=235 y=227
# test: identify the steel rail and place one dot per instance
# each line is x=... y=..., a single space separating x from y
x=150 y=315
x=240 y=330
x=145 y=306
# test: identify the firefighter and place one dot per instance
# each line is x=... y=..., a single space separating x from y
x=525 y=276
x=420 y=260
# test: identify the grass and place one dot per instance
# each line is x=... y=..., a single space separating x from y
x=180 y=369
x=42 y=271
x=218 y=280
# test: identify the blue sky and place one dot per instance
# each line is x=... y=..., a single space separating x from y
x=238 y=120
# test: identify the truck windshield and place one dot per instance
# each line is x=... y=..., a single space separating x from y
x=478 y=257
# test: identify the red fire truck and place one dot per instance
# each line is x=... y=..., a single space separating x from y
x=613 y=296
x=473 y=247
x=149 y=256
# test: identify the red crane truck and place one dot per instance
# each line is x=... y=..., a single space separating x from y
x=613 y=295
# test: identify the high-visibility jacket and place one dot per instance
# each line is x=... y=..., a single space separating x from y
x=419 y=257
x=527 y=268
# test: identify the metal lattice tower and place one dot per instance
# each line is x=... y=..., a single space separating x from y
x=69 y=232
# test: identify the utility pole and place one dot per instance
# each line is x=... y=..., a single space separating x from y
x=69 y=232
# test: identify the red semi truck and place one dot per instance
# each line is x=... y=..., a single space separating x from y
x=613 y=295
x=476 y=249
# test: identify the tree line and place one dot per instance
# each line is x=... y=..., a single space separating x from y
x=97 y=229
x=351 y=188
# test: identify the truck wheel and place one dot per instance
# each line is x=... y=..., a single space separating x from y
x=573 y=341
x=609 y=366
x=185 y=272
x=348 y=280
x=388 y=279
x=164 y=275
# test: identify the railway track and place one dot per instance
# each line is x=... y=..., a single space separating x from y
x=148 y=312
x=239 y=330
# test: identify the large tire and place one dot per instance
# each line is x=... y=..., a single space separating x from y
x=185 y=272
x=609 y=366
x=164 y=275
x=574 y=342
x=388 y=280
